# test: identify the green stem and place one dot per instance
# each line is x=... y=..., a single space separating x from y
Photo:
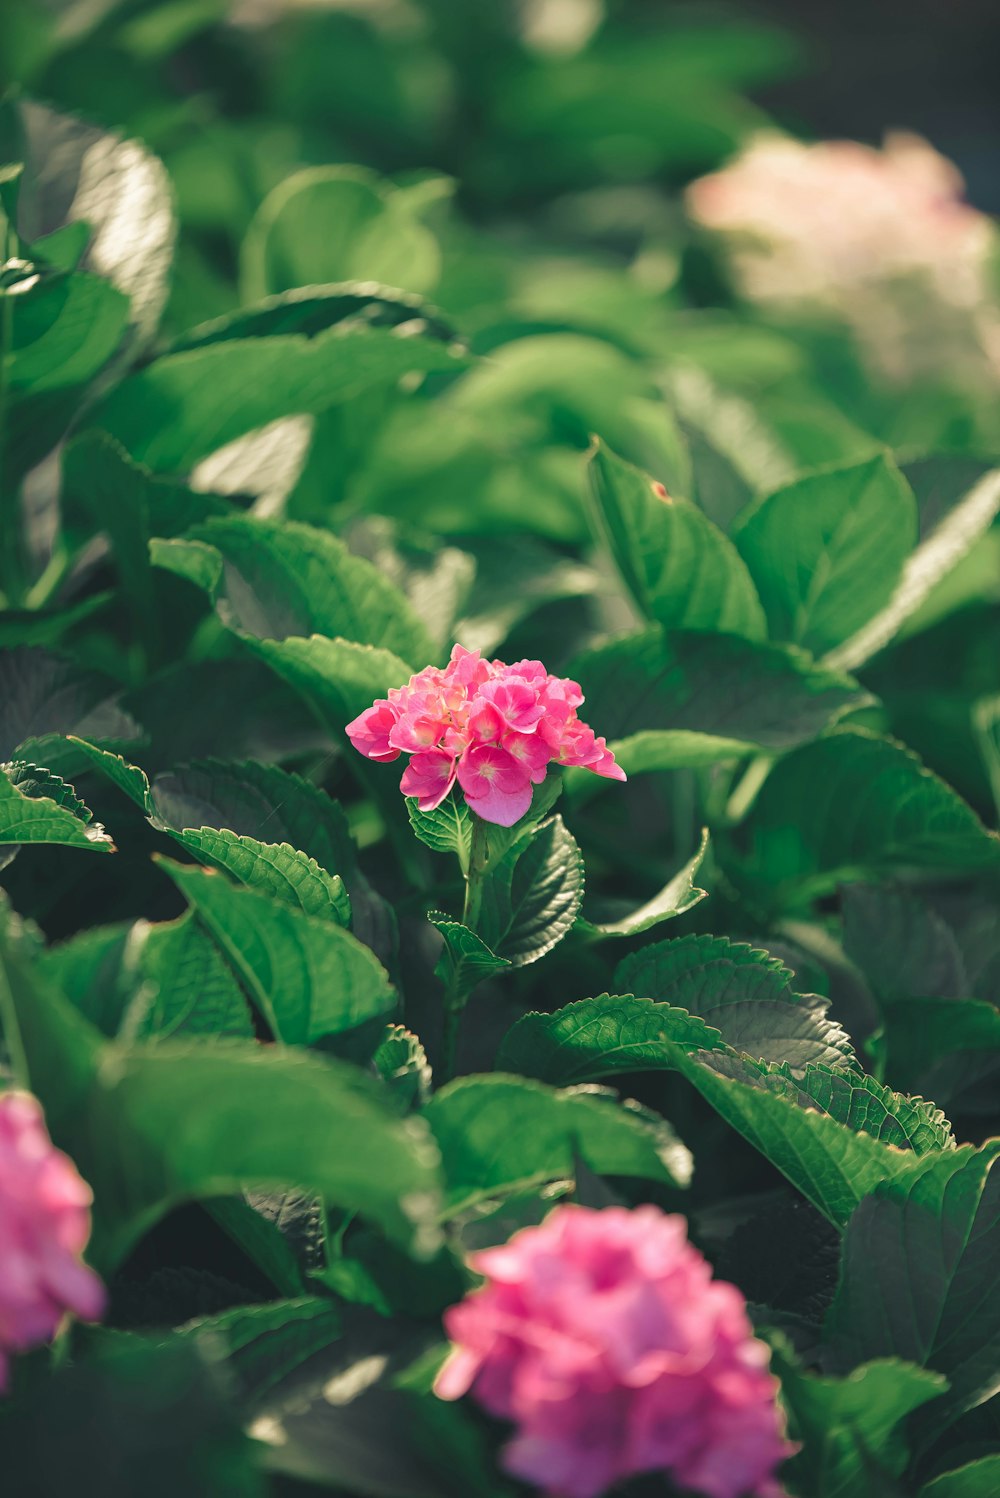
x=454 y=998
x=11 y=541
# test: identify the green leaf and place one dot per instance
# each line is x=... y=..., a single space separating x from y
x=834 y=1135
x=851 y=1428
x=851 y=805
x=499 y=1134
x=975 y=1480
x=744 y=993
x=827 y=551
x=435 y=579
x=600 y=1037
x=27 y=815
x=532 y=895
x=152 y=1127
x=918 y=1277
x=276 y=869
x=446 y=829
x=769 y=695
x=336 y=223
x=943 y=1048
x=682 y=571
x=401 y=1062
x=338 y=678
x=42 y=694
x=184 y=406
x=673 y=749
x=263 y=1344
x=313 y=309
x=679 y=895
x=465 y=958
x=310 y=979
x=128 y=778
x=901 y=944
x=986 y=721
x=148 y=982
x=281 y=578
x=933 y=559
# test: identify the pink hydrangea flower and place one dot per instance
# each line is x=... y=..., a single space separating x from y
x=492 y=728
x=44 y=1227
x=604 y=1338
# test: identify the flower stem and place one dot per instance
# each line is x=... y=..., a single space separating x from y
x=455 y=997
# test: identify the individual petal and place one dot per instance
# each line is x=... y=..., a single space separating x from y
x=369 y=731
x=503 y=808
x=429 y=777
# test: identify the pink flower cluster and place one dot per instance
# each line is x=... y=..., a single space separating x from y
x=492 y=728
x=44 y=1227
x=604 y=1338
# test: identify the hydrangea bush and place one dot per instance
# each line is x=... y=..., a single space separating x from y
x=580 y=1106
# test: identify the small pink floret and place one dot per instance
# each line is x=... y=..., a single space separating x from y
x=494 y=727
x=603 y=1338
x=44 y=1227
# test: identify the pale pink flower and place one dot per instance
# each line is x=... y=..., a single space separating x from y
x=603 y=1338
x=883 y=238
x=44 y=1227
x=494 y=728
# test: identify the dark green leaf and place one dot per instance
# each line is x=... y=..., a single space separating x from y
x=338 y=678
x=904 y=948
x=263 y=1344
x=499 y=1134
x=276 y=869
x=679 y=895
x=401 y=1062
x=465 y=958
x=314 y=309
x=41 y=694
x=975 y=1480
x=532 y=895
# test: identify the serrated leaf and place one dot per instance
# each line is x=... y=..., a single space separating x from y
x=310 y=979
x=743 y=993
x=532 y=895
x=851 y=805
x=276 y=869
x=918 y=1277
x=499 y=1134
x=595 y=1038
x=679 y=895
x=446 y=829
x=282 y=578
x=682 y=571
x=129 y=778
x=338 y=678
x=153 y=1127
x=827 y=551
x=401 y=1062
x=336 y=223
x=769 y=695
x=465 y=959
x=29 y=817
x=835 y=1136
x=933 y=559
x=850 y=1428
x=220 y=392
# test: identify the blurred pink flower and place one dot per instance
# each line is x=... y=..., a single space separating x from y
x=883 y=238
x=604 y=1338
x=494 y=728
x=44 y=1227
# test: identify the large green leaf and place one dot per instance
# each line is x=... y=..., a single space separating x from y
x=742 y=992
x=42 y=694
x=977 y=1479
x=835 y=1135
x=918 y=1276
x=146 y=981
x=156 y=1126
x=338 y=678
x=281 y=579
x=850 y=805
x=500 y=1134
x=310 y=979
x=682 y=571
x=945 y=1049
x=827 y=551
x=679 y=895
x=532 y=895
x=853 y=1441
x=264 y=1344
x=184 y=406
x=933 y=559
x=336 y=223
x=903 y=947
x=767 y=695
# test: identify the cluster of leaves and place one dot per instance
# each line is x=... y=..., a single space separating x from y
x=251 y=479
